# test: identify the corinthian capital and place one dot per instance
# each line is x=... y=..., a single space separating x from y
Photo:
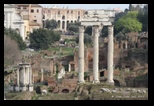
x=81 y=29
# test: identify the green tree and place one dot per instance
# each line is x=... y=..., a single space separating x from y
x=42 y=39
x=87 y=39
x=143 y=17
x=88 y=30
x=15 y=36
x=128 y=23
x=51 y=24
x=104 y=31
x=74 y=26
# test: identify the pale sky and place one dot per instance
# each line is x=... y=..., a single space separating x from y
x=90 y=6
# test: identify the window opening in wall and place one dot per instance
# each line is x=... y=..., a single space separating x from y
x=59 y=12
x=24 y=8
x=63 y=17
x=35 y=20
x=78 y=12
x=37 y=10
x=32 y=11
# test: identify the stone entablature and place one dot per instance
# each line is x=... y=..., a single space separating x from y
x=95 y=19
x=24 y=78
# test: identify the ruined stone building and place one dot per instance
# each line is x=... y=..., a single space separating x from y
x=13 y=20
x=63 y=16
x=32 y=16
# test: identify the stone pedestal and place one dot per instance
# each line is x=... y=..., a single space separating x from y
x=69 y=67
x=11 y=88
x=17 y=88
x=110 y=55
x=24 y=88
x=42 y=75
x=95 y=54
x=31 y=88
x=81 y=55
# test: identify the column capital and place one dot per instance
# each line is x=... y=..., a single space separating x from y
x=96 y=29
x=81 y=29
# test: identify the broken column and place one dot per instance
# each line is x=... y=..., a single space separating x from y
x=41 y=75
x=31 y=77
x=24 y=79
x=17 y=86
x=69 y=67
x=110 y=55
x=95 y=54
x=126 y=45
x=81 y=55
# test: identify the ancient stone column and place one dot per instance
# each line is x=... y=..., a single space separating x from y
x=110 y=55
x=22 y=31
x=17 y=88
x=31 y=77
x=126 y=45
x=11 y=21
x=41 y=75
x=95 y=54
x=7 y=22
x=81 y=55
x=28 y=69
x=24 y=78
x=69 y=67
x=18 y=77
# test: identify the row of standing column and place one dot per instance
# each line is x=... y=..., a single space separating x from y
x=27 y=76
x=95 y=34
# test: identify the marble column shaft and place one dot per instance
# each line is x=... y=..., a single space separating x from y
x=69 y=67
x=96 y=54
x=30 y=75
x=41 y=75
x=24 y=76
x=18 y=77
x=81 y=55
x=110 y=55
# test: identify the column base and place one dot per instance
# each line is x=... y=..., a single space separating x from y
x=17 y=88
x=96 y=81
x=111 y=82
x=31 y=88
x=24 y=88
x=11 y=88
x=81 y=82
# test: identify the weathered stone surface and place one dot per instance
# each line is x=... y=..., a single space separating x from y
x=84 y=92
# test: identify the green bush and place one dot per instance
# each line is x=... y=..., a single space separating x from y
x=15 y=36
x=42 y=39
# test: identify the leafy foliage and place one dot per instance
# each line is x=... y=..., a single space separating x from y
x=51 y=24
x=42 y=39
x=15 y=36
x=88 y=30
x=87 y=39
x=143 y=17
x=128 y=23
x=74 y=26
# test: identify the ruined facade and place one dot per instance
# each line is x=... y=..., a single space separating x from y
x=63 y=16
